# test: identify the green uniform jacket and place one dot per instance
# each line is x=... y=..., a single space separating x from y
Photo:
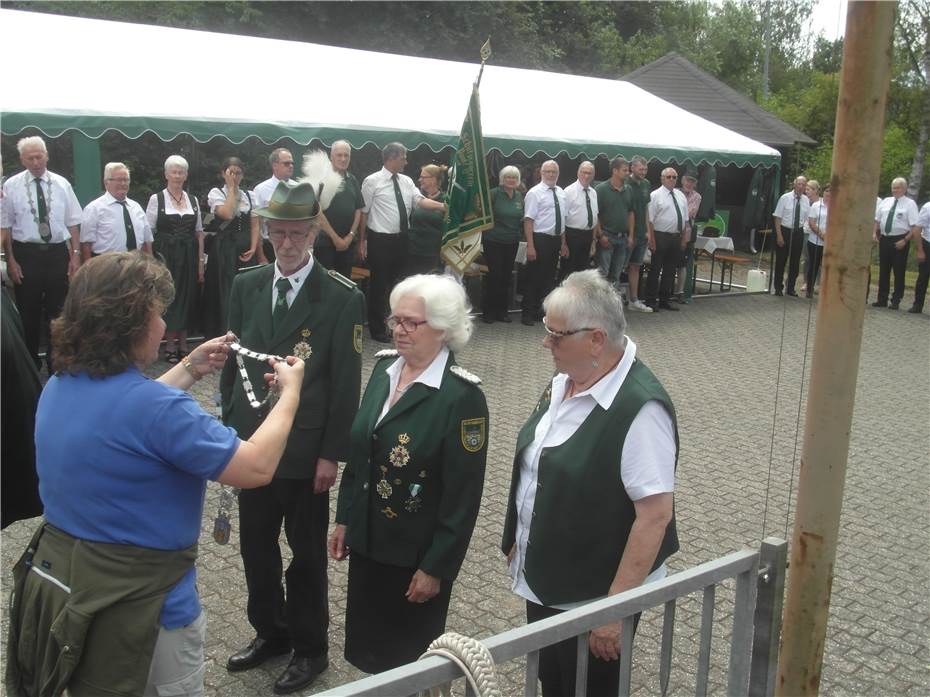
x=324 y=327
x=420 y=511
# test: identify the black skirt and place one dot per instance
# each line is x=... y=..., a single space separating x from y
x=383 y=629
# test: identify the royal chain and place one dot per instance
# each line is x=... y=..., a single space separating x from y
x=241 y=351
x=32 y=204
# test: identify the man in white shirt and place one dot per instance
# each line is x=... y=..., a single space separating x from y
x=668 y=236
x=114 y=222
x=894 y=219
x=282 y=170
x=790 y=213
x=544 y=209
x=581 y=222
x=921 y=235
x=390 y=197
x=39 y=222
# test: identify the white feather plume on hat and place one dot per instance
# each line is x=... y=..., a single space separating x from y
x=319 y=173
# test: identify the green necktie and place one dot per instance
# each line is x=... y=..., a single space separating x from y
x=558 y=212
x=797 y=212
x=587 y=202
x=401 y=208
x=42 y=211
x=681 y=223
x=130 y=232
x=890 y=218
x=280 y=304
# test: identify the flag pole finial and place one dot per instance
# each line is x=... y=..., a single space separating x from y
x=485 y=55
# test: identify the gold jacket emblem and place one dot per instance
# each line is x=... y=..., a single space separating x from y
x=302 y=349
x=399 y=456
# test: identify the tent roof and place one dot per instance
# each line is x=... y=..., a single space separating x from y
x=387 y=97
x=679 y=81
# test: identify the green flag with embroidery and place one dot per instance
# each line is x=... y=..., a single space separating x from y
x=469 y=195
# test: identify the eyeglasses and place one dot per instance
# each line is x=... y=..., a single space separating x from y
x=287 y=164
x=671 y=176
x=408 y=325
x=294 y=237
x=556 y=336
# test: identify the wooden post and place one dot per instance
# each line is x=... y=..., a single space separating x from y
x=857 y=154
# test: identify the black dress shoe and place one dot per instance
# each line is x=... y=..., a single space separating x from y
x=894 y=306
x=300 y=672
x=791 y=293
x=257 y=652
x=878 y=303
x=527 y=320
x=487 y=319
x=778 y=293
x=665 y=305
x=915 y=310
x=504 y=317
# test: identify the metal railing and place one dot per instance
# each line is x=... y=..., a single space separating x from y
x=757 y=605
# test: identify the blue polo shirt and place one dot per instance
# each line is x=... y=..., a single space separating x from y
x=125 y=459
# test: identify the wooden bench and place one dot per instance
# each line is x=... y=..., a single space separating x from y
x=727 y=262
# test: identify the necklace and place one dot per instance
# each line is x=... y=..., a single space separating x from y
x=32 y=205
x=179 y=200
x=272 y=393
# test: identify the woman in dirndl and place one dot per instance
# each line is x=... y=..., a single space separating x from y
x=174 y=217
x=232 y=247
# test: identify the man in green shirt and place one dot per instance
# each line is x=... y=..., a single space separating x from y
x=615 y=214
x=640 y=191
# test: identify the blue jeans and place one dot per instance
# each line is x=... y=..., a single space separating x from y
x=612 y=261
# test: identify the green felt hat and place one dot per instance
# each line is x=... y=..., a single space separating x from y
x=291 y=202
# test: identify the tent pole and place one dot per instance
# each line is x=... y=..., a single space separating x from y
x=859 y=127
x=88 y=172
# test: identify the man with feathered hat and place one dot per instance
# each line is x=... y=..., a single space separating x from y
x=294 y=307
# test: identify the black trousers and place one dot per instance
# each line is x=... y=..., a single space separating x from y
x=790 y=254
x=540 y=274
x=499 y=256
x=923 y=275
x=814 y=259
x=341 y=262
x=41 y=295
x=665 y=260
x=891 y=259
x=557 y=663
x=386 y=260
x=579 y=251
x=302 y=616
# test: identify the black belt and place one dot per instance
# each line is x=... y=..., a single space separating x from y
x=669 y=232
x=38 y=246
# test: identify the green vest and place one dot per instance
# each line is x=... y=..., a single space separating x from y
x=582 y=515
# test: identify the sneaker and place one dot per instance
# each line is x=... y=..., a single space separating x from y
x=639 y=306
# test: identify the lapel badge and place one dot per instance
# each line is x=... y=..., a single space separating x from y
x=384 y=489
x=473 y=434
x=357 y=338
x=403 y=439
x=388 y=512
x=398 y=482
x=422 y=474
x=305 y=333
x=302 y=349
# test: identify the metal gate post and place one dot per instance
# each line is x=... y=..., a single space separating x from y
x=773 y=557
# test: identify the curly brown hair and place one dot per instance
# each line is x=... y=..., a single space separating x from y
x=106 y=313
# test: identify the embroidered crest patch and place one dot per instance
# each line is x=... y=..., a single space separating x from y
x=357 y=338
x=473 y=434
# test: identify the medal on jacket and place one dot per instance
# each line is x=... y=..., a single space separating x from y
x=384 y=487
x=221 y=525
x=272 y=395
x=412 y=504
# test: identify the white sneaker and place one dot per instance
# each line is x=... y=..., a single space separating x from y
x=639 y=306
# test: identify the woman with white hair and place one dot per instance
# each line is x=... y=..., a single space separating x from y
x=500 y=245
x=174 y=217
x=593 y=477
x=411 y=490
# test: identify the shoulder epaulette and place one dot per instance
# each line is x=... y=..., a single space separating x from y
x=247 y=269
x=386 y=353
x=465 y=375
x=336 y=276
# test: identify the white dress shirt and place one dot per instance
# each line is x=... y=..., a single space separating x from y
x=431 y=377
x=645 y=467
x=217 y=197
x=576 y=210
x=297 y=279
x=905 y=216
x=381 y=201
x=662 y=213
x=64 y=211
x=539 y=206
x=818 y=214
x=784 y=209
x=261 y=195
x=923 y=221
x=103 y=224
x=171 y=208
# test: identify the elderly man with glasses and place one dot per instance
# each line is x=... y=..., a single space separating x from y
x=293 y=307
x=282 y=170
x=668 y=216
x=114 y=222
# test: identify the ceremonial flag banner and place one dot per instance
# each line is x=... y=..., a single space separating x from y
x=469 y=211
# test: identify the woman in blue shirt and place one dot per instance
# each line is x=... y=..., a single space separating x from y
x=124 y=460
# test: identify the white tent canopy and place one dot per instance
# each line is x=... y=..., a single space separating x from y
x=93 y=80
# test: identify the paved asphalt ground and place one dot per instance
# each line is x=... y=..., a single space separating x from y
x=718 y=359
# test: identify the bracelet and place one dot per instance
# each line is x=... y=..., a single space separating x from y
x=189 y=367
